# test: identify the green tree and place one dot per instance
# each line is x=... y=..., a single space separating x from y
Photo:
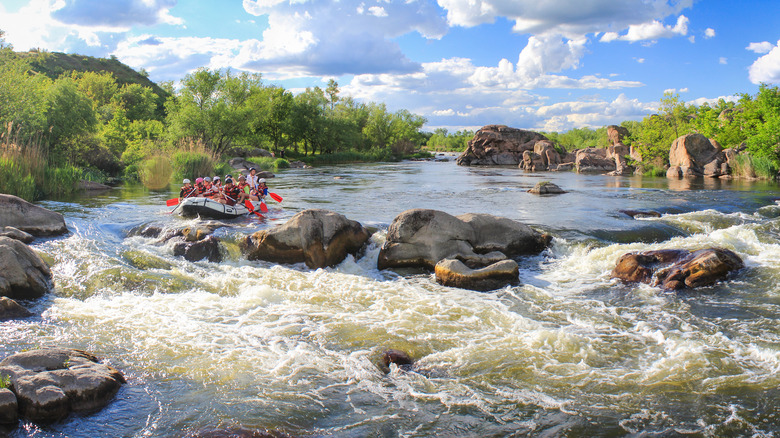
x=139 y=102
x=69 y=113
x=271 y=113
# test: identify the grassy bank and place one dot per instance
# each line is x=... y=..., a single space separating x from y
x=26 y=173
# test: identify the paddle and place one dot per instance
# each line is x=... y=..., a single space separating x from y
x=276 y=197
x=263 y=207
x=251 y=208
x=175 y=201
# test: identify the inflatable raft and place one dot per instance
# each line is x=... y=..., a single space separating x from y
x=208 y=208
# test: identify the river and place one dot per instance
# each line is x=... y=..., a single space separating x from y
x=569 y=352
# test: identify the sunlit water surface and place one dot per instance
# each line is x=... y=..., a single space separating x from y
x=570 y=352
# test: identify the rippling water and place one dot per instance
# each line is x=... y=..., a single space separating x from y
x=570 y=352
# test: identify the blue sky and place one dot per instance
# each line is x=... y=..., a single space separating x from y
x=546 y=65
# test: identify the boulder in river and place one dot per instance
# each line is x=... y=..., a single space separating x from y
x=319 y=238
x=422 y=238
x=594 y=160
x=397 y=357
x=208 y=248
x=15 y=233
x=691 y=155
x=10 y=309
x=51 y=383
x=30 y=218
x=9 y=407
x=675 y=269
x=454 y=273
x=498 y=145
x=23 y=274
x=546 y=188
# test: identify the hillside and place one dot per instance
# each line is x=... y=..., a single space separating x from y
x=53 y=64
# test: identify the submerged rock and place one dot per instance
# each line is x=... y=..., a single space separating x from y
x=51 y=383
x=319 y=238
x=640 y=214
x=23 y=274
x=207 y=248
x=546 y=188
x=454 y=273
x=144 y=260
x=10 y=309
x=422 y=238
x=397 y=357
x=674 y=269
x=30 y=218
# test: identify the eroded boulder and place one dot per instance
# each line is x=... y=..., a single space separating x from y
x=594 y=160
x=319 y=238
x=51 y=383
x=677 y=269
x=23 y=274
x=30 y=218
x=616 y=134
x=691 y=153
x=454 y=273
x=422 y=237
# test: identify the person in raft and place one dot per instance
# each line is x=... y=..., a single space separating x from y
x=187 y=190
x=243 y=186
x=199 y=187
x=262 y=190
x=252 y=179
x=230 y=193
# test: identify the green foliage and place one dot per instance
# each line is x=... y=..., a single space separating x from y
x=281 y=163
x=70 y=113
x=5 y=381
x=580 y=138
x=747 y=166
x=441 y=140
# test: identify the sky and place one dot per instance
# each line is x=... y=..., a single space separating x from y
x=549 y=65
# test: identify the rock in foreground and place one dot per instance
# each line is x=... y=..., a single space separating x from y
x=319 y=238
x=30 y=218
x=23 y=274
x=51 y=383
x=10 y=309
x=677 y=269
x=422 y=238
x=454 y=273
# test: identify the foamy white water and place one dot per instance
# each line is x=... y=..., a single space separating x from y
x=569 y=352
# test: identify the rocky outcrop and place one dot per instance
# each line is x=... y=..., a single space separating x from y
x=10 y=309
x=49 y=384
x=546 y=188
x=674 y=269
x=397 y=357
x=23 y=274
x=616 y=134
x=543 y=157
x=30 y=218
x=193 y=251
x=422 y=238
x=319 y=238
x=695 y=155
x=16 y=234
x=594 y=160
x=498 y=145
x=454 y=273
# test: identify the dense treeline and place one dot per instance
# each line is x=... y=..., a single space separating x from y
x=88 y=120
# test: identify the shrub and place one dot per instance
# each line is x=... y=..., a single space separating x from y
x=155 y=172
x=747 y=166
x=281 y=163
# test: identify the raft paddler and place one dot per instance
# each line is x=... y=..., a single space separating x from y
x=187 y=190
x=230 y=193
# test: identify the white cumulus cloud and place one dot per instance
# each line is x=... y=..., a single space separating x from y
x=762 y=47
x=766 y=69
x=650 y=31
x=709 y=33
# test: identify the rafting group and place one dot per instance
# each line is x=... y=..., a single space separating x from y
x=210 y=197
x=231 y=192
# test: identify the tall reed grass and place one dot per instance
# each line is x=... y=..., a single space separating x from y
x=25 y=171
x=155 y=172
x=747 y=166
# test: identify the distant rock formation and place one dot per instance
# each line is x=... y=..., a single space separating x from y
x=498 y=145
x=616 y=134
